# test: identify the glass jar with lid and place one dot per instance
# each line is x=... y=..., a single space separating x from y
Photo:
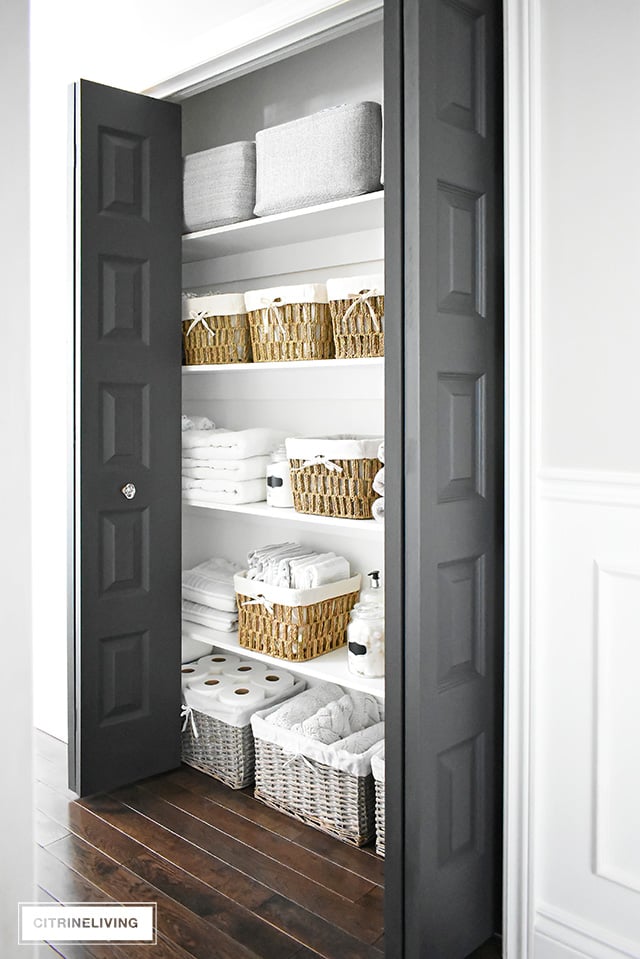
x=278 y=480
x=365 y=640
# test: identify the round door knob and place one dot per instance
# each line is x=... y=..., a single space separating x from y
x=128 y=491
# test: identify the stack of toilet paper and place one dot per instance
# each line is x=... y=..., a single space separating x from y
x=231 y=689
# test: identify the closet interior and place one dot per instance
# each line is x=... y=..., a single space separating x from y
x=317 y=397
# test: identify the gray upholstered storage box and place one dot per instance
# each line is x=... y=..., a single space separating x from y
x=327 y=156
x=219 y=186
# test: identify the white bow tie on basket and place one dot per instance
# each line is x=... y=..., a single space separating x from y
x=200 y=318
x=319 y=460
x=363 y=298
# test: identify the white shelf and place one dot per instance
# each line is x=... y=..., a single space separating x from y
x=332 y=667
x=341 y=217
x=367 y=527
x=365 y=362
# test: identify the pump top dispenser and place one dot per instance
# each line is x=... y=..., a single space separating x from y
x=373 y=593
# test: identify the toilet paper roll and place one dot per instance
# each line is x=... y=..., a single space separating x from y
x=242 y=696
x=245 y=671
x=217 y=662
x=190 y=672
x=273 y=681
x=205 y=692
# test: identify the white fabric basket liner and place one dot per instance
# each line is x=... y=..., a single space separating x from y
x=340 y=447
x=213 y=304
x=285 y=596
x=377 y=764
x=242 y=717
x=304 y=293
x=295 y=745
x=349 y=287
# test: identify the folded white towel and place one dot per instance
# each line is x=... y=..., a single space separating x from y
x=361 y=741
x=229 y=444
x=377 y=510
x=378 y=482
x=197 y=423
x=251 y=491
x=211 y=584
x=306 y=704
x=206 y=616
x=253 y=467
x=226 y=485
x=271 y=565
x=381 y=452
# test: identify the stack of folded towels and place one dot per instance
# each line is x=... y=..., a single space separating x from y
x=378 y=486
x=352 y=722
x=208 y=594
x=225 y=466
x=295 y=566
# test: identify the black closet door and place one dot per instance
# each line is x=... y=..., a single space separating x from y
x=125 y=644
x=443 y=474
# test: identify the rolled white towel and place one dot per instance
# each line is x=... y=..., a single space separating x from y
x=378 y=482
x=300 y=707
x=366 y=710
x=197 y=423
x=327 y=571
x=361 y=741
x=331 y=723
x=377 y=510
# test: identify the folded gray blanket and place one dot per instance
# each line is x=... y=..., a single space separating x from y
x=361 y=741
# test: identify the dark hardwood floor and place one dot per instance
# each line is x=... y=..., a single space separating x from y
x=232 y=878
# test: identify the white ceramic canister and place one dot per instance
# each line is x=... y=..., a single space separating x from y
x=279 y=480
x=365 y=640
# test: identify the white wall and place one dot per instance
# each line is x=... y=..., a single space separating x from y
x=16 y=838
x=586 y=603
x=132 y=44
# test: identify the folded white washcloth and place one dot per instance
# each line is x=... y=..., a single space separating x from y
x=206 y=616
x=330 y=570
x=299 y=708
x=273 y=566
x=229 y=444
x=225 y=485
x=377 y=510
x=254 y=467
x=230 y=492
x=197 y=423
x=361 y=741
x=378 y=482
x=297 y=567
x=381 y=452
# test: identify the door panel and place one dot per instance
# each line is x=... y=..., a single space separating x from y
x=126 y=642
x=444 y=611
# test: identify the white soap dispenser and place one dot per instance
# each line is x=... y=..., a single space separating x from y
x=373 y=592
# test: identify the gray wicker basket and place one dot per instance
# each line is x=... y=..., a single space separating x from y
x=223 y=751
x=377 y=768
x=329 y=799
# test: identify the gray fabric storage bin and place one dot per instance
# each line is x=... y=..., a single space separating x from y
x=219 y=186
x=327 y=156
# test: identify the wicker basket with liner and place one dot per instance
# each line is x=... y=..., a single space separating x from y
x=215 y=329
x=333 y=475
x=357 y=312
x=219 y=742
x=290 y=323
x=377 y=769
x=324 y=787
x=294 y=624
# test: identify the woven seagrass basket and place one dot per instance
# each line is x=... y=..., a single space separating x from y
x=299 y=628
x=332 y=800
x=319 y=490
x=215 y=330
x=223 y=751
x=358 y=326
x=290 y=323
